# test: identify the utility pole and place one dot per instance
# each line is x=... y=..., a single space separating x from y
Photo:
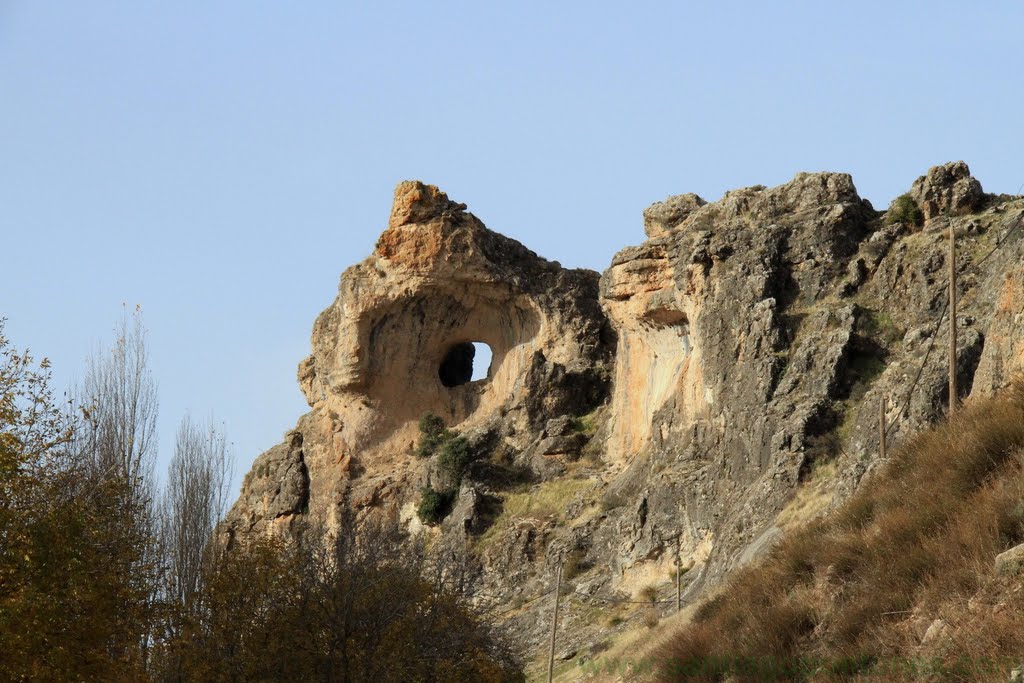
x=952 y=321
x=554 y=623
x=881 y=428
x=679 y=577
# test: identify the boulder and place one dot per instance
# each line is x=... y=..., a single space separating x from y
x=662 y=217
x=947 y=189
x=1010 y=562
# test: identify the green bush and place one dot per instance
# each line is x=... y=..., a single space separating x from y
x=434 y=505
x=456 y=454
x=431 y=425
x=434 y=434
x=905 y=210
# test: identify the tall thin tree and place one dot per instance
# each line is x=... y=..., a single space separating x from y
x=116 y=444
x=195 y=501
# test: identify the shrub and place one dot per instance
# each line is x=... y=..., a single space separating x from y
x=905 y=210
x=433 y=435
x=352 y=606
x=434 y=505
x=456 y=454
x=649 y=593
x=431 y=425
x=454 y=451
x=880 y=326
x=585 y=424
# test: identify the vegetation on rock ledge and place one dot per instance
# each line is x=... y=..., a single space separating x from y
x=454 y=455
x=905 y=210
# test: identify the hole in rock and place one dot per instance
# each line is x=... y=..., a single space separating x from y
x=465 y=362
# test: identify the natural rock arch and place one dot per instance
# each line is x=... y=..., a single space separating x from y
x=465 y=362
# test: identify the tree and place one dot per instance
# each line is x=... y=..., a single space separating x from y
x=119 y=409
x=67 y=584
x=90 y=591
x=115 y=445
x=194 y=502
x=31 y=430
x=372 y=606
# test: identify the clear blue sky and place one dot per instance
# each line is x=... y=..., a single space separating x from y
x=221 y=163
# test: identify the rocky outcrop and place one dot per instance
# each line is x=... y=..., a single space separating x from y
x=662 y=217
x=733 y=349
x=708 y=385
x=1002 y=360
x=276 y=489
x=395 y=346
x=947 y=190
x=1010 y=561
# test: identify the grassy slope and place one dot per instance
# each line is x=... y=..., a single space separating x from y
x=850 y=596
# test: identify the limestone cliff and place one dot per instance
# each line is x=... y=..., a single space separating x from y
x=718 y=383
x=392 y=348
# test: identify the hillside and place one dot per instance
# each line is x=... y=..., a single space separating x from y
x=716 y=386
x=916 y=577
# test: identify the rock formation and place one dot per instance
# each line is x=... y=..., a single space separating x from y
x=717 y=383
x=392 y=347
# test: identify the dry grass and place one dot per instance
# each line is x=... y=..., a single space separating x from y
x=811 y=500
x=846 y=597
x=626 y=655
x=539 y=502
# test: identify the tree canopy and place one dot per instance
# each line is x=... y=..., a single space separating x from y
x=102 y=577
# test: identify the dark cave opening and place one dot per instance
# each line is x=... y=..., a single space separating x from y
x=465 y=362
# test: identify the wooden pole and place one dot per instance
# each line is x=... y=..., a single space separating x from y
x=679 y=577
x=952 y=322
x=554 y=624
x=881 y=428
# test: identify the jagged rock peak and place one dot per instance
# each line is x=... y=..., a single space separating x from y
x=947 y=189
x=806 y=192
x=399 y=342
x=416 y=202
x=436 y=237
x=661 y=217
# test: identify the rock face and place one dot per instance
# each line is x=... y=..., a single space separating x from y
x=733 y=349
x=947 y=190
x=396 y=345
x=717 y=384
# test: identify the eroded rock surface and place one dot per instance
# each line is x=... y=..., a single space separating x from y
x=947 y=190
x=718 y=384
x=394 y=346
